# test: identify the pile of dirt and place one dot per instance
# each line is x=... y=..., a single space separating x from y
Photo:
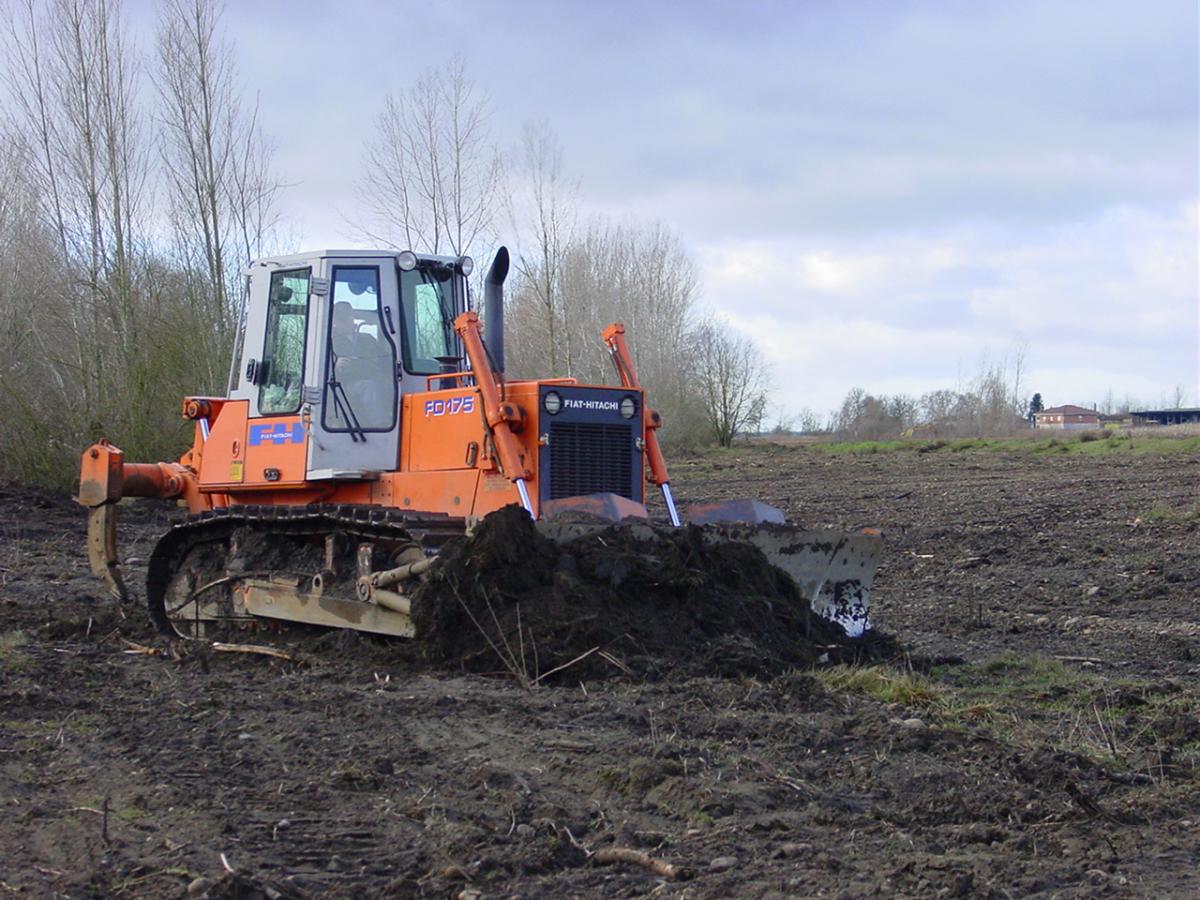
x=628 y=598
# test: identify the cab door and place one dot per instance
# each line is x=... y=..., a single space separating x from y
x=354 y=416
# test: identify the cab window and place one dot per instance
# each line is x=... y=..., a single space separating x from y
x=281 y=385
x=427 y=301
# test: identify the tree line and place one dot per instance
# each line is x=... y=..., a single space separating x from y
x=136 y=185
x=138 y=182
x=991 y=404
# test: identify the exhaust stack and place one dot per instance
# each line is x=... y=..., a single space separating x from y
x=493 y=308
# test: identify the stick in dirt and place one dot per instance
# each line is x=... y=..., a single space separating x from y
x=253 y=648
x=140 y=649
x=581 y=656
x=637 y=857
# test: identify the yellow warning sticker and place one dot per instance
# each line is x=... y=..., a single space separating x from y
x=235 y=470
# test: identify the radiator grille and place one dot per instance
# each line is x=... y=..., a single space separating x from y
x=590 y=459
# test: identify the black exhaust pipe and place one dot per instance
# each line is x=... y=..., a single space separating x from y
x=493 y=308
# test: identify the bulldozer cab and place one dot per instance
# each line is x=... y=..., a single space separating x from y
x=332 y=342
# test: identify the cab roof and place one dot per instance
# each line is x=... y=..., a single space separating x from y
x=292 y=259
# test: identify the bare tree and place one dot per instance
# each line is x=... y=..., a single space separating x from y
x=72 y=83
x=542 y=211
x=1017 y=392
x=733 y=381
x=784 y=422
x=253 y=190
x=433 y=173
x=866 y=417
x=808 y=422
x=27 y=261
x=100 y=326
x=993 y=398
x=641 y=276
x=30 y=111
x=937 y=408
x=575 y=279
x=90 y=340
x=217 y=164
x=846 y=418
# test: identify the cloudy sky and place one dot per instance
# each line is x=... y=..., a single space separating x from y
x=881 y=194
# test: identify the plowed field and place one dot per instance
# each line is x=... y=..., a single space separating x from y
x=1039 y=733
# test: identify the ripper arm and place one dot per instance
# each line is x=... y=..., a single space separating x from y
x=104 y=478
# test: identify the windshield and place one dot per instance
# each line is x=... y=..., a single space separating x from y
x=427 y=301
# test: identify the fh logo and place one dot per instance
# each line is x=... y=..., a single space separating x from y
x=278 y=433
x=450 y=407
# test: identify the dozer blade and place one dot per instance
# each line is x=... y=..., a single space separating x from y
x=833 y=570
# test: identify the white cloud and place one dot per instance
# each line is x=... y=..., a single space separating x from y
x=1107 y=304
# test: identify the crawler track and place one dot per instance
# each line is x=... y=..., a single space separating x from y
x=211 y=553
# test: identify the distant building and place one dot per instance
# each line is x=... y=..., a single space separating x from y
x=1165 y=416
x=1067 y=417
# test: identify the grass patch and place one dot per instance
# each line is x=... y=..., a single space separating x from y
x=12 y=655
x=1164 y=512
x=12 y=642
x=1087 y=443
x=132 y=814
x=1119 y=722
x=883 y=684
x=840 y=448
x=1123 y=723
x=1038 y=671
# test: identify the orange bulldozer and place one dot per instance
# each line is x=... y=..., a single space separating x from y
x=368 y=420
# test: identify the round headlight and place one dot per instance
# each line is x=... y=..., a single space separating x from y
x=466 y=265
x=407 y=261
x=552 y=402
x=628 y=407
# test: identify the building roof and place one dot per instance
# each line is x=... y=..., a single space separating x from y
x=1067 y=410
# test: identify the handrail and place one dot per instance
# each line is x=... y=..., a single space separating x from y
x=430 y=379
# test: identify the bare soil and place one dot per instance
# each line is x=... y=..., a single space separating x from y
x=1043 y=737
